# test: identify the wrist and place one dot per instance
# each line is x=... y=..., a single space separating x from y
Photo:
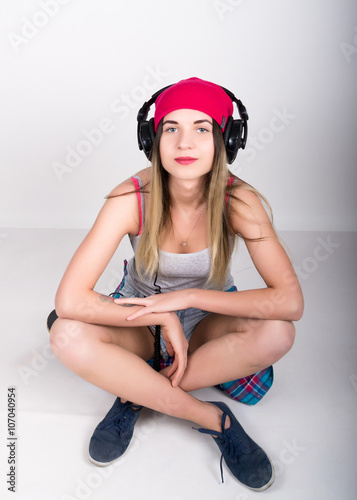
x=169 y=319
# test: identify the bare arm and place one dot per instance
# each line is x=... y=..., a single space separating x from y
x=76 y=298
x=281 y=299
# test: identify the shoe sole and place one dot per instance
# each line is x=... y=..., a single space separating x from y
x=101 y=464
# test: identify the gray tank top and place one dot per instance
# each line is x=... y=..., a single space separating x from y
x=176 y=271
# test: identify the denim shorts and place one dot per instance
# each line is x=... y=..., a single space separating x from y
x=189 y=318
x=249 y=390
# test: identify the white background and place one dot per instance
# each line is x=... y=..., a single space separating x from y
x=84 y=61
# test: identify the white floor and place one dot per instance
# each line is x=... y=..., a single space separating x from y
x=307 y=422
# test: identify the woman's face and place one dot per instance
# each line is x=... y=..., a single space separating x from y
x=186 y=144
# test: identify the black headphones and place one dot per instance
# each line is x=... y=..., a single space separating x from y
x=234 y=135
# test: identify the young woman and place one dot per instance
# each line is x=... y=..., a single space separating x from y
x=182 y=215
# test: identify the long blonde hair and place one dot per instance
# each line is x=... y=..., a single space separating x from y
x=217 y=195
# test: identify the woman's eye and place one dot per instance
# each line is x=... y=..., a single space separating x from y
x=171 y=129
x=201 y=130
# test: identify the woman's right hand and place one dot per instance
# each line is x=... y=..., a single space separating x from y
x=177 y=346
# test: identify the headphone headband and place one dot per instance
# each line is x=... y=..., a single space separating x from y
x=234 y=136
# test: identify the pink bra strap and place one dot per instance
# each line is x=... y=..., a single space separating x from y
x=230 y=182
x=138 y=185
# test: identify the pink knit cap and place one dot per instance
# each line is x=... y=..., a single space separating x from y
x=198 y=94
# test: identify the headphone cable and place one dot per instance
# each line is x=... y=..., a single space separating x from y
x=157 y=333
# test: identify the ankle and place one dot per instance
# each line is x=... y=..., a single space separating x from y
x=215 y=419
x=133 y=405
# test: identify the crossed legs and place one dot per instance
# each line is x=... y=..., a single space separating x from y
x=247 y=346
x=114 y=359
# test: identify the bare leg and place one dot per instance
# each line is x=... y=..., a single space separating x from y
x=249 y=346
x=114 y=360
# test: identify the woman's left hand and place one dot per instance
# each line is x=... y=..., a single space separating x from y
x=159 y=303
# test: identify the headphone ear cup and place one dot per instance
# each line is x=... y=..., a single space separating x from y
x=147 y=136
x=227 y=130
x=152 y=130
x=233 y=141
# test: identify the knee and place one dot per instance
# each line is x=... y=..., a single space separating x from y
x=278 y=340
x=68 y=342
x=284 y=334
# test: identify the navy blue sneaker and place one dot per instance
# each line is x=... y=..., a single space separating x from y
x=245 y=459
x=112 y=435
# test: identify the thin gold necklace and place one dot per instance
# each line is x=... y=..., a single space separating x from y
x=184 y=242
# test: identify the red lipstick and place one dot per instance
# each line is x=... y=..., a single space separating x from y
x=185 y=160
